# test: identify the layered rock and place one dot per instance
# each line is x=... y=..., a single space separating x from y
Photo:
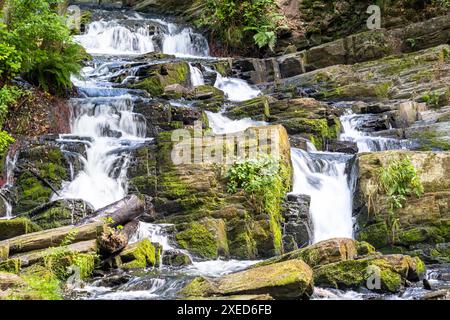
x=302 y=117
x=210 y=222
x=423 y=221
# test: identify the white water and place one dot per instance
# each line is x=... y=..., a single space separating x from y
x=103 y=179
x=196 y=76
x=221 y=124
x=364 y=141
x=10 y=165
x=155 y=232
x=103 y=37
x=236 y=89
x=331 y=196
x=112 y=38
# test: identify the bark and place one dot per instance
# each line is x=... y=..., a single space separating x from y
x=51 y=238
x=120 y=212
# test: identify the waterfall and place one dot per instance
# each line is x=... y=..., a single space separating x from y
x=185 y=43
x=102 y=37
x=220 y=124
x=364 y=141
x=110 y=38
x=196 y=76
x=111 y=125
x=326 y=181
x=10 y=165
x=236 y=89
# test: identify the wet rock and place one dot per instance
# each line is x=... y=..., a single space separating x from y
x=321 y=253
x=156 y=77
x=384 y=273
x=297 y=224
x=206 y=238
x=139 y=255
x=342 y=146
x=176 y=258
x=286 y=280
x=59 y=213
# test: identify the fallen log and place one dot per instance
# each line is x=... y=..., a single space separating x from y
x=33 y=257
x=51 y=238
x=118 y=213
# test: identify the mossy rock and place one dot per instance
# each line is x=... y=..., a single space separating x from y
x=285 y=280
x=392 y=271
x=162 y=75
x=375 y=234
x=16 y=227
x=139 y=255
x=201 y=240
x=43 y=168
x=321 y=253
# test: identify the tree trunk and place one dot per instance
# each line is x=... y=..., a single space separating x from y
x=120 y=212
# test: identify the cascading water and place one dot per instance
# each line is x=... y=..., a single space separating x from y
x=103 y=37
x=196 y=76
x=110 y=126
x=10 y=165
x=236 y=89
x=223 y=125
x=325 y=180
x=364 y=141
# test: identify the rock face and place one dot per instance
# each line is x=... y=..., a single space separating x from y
x=302 y=117
x=423 y=222
x=297 y=225
x=209 y=221
x=286 y=280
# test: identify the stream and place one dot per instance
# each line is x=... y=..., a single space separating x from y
x=104 y=121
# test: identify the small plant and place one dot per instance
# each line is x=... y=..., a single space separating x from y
x=257 y=177
x=432 y=99
x=399 y=180
x=236 y=21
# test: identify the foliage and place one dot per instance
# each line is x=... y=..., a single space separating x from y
x=8 y=96
x=36 y=41
x=235 y=21
x=399 y=181
x=61 y=258
x=259 y=178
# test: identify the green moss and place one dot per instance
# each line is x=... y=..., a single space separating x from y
x=355 y=273
x=163 y=75
x=375 y=234
x=16 y=227
x=199 y=240
x=422 y=235
x=11 y=266
x=364 y=248
x=139 y=255
x=40 y=284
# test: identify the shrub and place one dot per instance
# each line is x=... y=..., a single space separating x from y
x=237 y=21
x=40 y=40
x=398 y=180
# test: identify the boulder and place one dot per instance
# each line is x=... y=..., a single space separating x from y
x=156 y=77
x=139 y=255
x=285 y=280
x=321 y=253
x=176 y=258
x=380 y=273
